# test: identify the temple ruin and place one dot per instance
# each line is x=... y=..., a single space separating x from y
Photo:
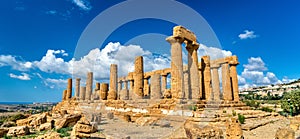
x=196 y=81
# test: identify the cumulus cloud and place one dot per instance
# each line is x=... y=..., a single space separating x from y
x=83 y=4
x=255 y=64
x=247 y=35
x=213 y=52
x=9 y=60
x=24 y=76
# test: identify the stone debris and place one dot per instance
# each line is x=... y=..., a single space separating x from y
x=83 y=129
x=18 y=131
x=285 y=133
x=233 y=129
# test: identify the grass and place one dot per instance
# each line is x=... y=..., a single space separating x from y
x=241 y=118
x=64 y=132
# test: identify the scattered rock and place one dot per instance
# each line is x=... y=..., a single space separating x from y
x=83 y=129
x=18 y=131
x=3 y=132
x=67 y=120
x=163 y=123
x=45 y=126
x=8 y=124
x=110 y=115
x=285 y=133
x=233 y=129
x=144 y=121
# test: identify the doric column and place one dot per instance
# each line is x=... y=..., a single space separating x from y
x=69 y=88
x=119 y=86
x=64 y=97
x=77 y=88
x=233 y=75
x=234 y=83
x=163 y=83
x=226 y=85
x=103 y=91
x=193 y=69
x=138 y=77
x=82 y=93
x=112 y=94
x=177 y=83
x=89 y=86
x=215 y=82
x=146 y=87
x=205 y=61
x=155 y=87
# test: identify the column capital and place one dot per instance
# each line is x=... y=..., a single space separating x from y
x=173 y=39
x=215 y=66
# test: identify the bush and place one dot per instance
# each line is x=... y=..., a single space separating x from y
x=16 y=117
x=252 y=103
x=233 y=113
x=193 y=107
x=291 y=101
x=266 y=109
x=64 y=131
x=241 y=118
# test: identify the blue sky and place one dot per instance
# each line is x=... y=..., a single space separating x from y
x=38 y=40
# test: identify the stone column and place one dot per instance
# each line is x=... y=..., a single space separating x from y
x=64 y=97
x=226 y=85
x=89 y=86
x=82 y=93
x=146 y=87
x=155 y=87
x=69 y=89
x=138 y=77
x=234 y=82
x=119 y=86
x=163 y=83
x=205 y=61
x=124 y=93
x=177 y=83
x=103 y=91
x=77 y=88
x=97 y=87
x=112 y=94
x=215 y=82
x=193 y=69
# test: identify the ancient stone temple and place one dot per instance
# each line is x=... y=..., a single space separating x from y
x=198 y=82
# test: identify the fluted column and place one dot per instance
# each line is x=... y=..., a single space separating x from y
x=155 y=87
x=163 y=83
x=89 y=86
x=226 y=85
x=103 y=91
x=215 y=82
x=138 y=77
x=146 y=87
x=77 y=88
x=177 y=82
x=193 y=69
x=234 y=79
x=64 y=97
x=205 y=61
x=69 y=89
x=82 y=93
x=112 y=94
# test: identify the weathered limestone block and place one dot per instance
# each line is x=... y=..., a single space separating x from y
x=285 y=133
x=226 y=85
x=215 y=83
x=82 y=93
x=45 y=126
x=233 y=129
x=103 y=91
x=112 y=94
x=177 y=81
x=83 y=129
x=89 y=86
x=77 y=88
x=138 y=77
x=39 y=119
x=180 y=31
x=69 y=89
x=205 y=61
x=155 y=87
x=18 y=131
x=3 y=132
x=67 y=120
x=50 y=135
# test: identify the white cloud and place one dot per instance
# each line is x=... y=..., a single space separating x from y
x=83 y=4
x=24 y=76
x=9 y=60
x=51 y=12
x=255 y=64
x=247 y=35
x=213 y=52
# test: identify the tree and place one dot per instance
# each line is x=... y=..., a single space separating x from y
x=291 y=101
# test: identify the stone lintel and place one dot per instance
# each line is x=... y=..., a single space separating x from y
x=180 y=31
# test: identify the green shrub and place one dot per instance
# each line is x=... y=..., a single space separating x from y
x=266 y=109
x=224 y=111
x=192 y=107
x=233 y=113
x=252 y=103
x=16 y=117
x=64 y=131
x=241 y=118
